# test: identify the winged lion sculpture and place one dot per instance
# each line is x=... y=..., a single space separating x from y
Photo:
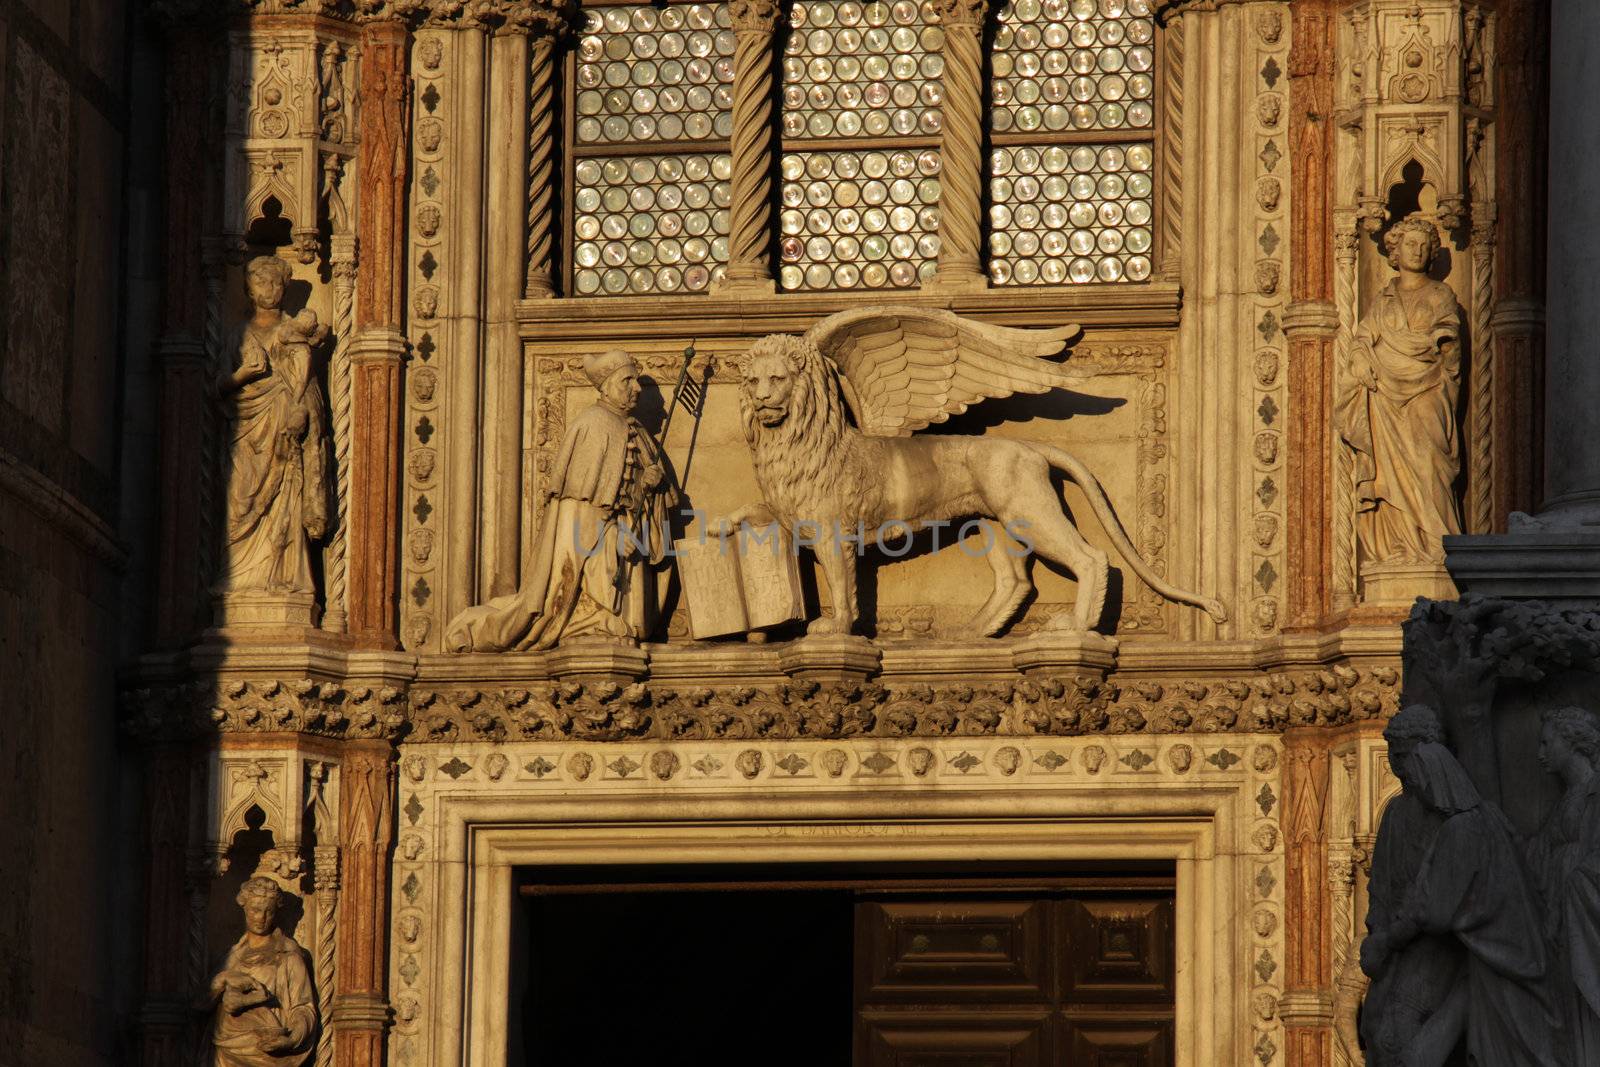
x=831 y=418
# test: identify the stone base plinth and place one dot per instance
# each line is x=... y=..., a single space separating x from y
x=831 y=658
x=599 y=659
x=234 y=612
x=1561 y=566
x=1050 y=650
x=1399 y=584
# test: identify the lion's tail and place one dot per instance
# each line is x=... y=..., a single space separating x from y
x=1067 y=463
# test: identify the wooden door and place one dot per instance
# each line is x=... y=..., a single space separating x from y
x=1061 y=979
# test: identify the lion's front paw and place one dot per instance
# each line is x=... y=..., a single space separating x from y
x=821 y=627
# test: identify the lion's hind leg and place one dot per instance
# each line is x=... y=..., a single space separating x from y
x=1015 y=483
x=1034 y=517
x=1011 y=585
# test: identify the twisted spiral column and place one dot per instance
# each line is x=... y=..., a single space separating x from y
x=751 y=146
x=326 y=875
x=334 y=617
x=545 y=35
x=961 y=160
x=1480 y=410
x=1172 y=149
x=1346 y=242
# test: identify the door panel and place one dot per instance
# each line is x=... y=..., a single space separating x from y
x=953 y=950
x=1049 y=978
x=1120 y=950
x=1118 y=1043
x=985 y=1038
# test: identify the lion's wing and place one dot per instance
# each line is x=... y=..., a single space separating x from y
x=907 y=368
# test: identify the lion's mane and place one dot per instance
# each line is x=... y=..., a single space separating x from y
x=806 y=466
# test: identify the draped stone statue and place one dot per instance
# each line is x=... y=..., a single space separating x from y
x=1397 y=408
x=277 y=443
x=1565 y=858
x=1455 y=945
x=598 y=566
x=264 y=1007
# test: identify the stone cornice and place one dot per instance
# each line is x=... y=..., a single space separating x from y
x=511 y=16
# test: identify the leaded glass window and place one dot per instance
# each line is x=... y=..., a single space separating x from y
x=1073 y=143
x=862 y=89
x=650 y=117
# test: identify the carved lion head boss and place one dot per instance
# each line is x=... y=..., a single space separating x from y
x=832 y=420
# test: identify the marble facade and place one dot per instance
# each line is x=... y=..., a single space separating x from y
x=404 y=166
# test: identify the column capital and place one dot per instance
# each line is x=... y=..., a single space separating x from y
x=962 y=12
x=754 y=16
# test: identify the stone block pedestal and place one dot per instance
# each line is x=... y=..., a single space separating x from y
x=1558 y=566
x=1399 y=584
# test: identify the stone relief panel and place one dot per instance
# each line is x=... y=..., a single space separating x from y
x=1119 y=386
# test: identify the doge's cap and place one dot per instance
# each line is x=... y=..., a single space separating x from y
x=597 y=368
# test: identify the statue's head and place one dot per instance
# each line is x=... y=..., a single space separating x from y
x=616 y=375
x=1412 y=725
x=1412 y=244
x=265 y=278
x=1569 y=742
x=259 y=897
x=768 y=376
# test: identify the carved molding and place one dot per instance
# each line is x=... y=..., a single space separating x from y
x=1064 y=704
x=450 y=797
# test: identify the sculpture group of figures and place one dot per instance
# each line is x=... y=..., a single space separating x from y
x=831 y=420
x=1482 y=942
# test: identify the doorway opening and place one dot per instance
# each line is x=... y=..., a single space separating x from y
x=934 y=965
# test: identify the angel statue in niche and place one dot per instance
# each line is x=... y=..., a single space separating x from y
x=830 y=418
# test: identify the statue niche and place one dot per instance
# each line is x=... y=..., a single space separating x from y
x=277 y=457
x=1396 y=412
x=264 y=1010
x=830 y=418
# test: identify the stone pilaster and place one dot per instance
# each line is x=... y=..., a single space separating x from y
x=376 y=353
x=360 y=1003
x=962 y=164
x=166 y=1014
x=1306 y=1004
x=185 y=371
x=1555 y=554
x=1311 y=321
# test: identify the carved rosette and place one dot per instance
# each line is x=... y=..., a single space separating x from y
x=961 y=160
x=752 y=143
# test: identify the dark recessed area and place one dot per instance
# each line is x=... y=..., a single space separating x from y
x=705 y=978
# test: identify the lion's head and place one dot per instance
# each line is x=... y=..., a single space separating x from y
x=791 y=409
x=787 y=387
